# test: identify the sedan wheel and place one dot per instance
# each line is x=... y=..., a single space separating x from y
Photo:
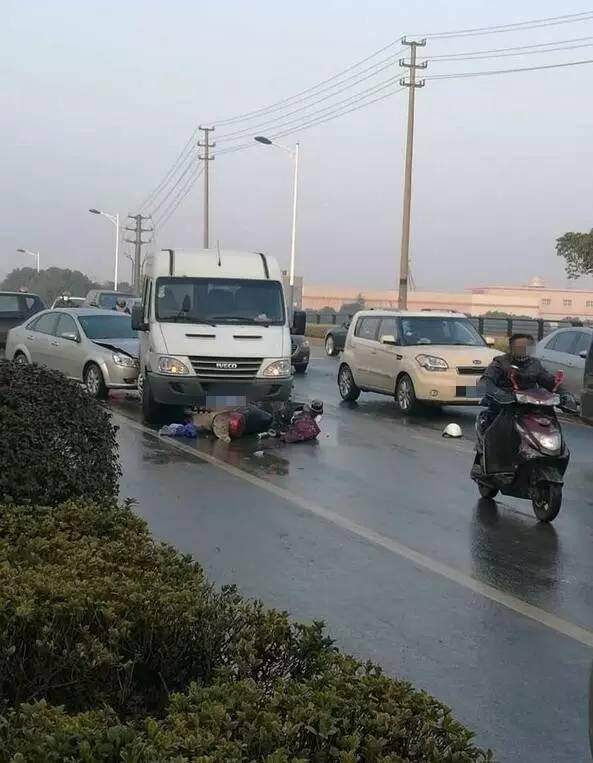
x=94 y=382
x=330 y=346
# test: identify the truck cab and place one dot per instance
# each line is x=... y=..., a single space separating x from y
x=213 y=330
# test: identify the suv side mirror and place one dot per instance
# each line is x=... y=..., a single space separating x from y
x=388 y=339
x=138 y=322
x=583 y=354
x=299 y=322
x=489 y=341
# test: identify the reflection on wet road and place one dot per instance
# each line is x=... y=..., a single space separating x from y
x=399 y=480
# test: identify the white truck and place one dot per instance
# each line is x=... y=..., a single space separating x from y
x=213 y=330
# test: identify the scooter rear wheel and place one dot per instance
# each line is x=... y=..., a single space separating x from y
x=546 y=501
x=486 y=491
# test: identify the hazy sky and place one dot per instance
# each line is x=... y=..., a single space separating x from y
x=98 y=98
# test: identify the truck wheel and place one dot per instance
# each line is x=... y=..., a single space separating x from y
x=155 y=413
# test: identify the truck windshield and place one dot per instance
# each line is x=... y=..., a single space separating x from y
x=433 y=330
x=219 y=300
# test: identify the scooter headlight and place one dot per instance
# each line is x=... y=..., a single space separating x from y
x=548 y=440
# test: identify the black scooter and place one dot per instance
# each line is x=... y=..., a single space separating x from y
x=531 y=457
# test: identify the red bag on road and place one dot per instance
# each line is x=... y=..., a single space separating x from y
x=302 y=428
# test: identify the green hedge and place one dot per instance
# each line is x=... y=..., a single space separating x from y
x=116 y=648
x=56 y=442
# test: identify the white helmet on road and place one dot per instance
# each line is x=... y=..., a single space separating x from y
x=452 y=430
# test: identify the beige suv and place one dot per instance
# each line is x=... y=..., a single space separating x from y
x=419 y=357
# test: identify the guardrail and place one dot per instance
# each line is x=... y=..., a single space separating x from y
x=494 y=327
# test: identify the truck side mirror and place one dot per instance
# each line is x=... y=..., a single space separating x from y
x=138 y=322
x=299 y=322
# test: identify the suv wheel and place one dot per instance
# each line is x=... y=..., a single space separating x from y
x=346 y=384
x=405 y=395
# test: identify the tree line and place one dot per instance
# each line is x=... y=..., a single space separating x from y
x=52 y=282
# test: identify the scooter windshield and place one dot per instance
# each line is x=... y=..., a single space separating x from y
x=537 y=397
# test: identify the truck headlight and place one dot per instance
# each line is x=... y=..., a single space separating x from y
x=278 y=368
x=173 y=366
x=124 y=360
x=432 y=363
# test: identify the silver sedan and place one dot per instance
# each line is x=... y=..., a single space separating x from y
x=96 y=347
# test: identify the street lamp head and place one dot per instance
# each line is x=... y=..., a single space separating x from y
x=262 y=139
x=95 y=211
x=22 y=251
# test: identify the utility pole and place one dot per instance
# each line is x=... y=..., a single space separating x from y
x=412 y=84
x=206 y=145
x=138 y=242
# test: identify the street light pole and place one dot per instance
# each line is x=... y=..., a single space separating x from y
x=295 y=194
x=115 y=220
x=33 y=254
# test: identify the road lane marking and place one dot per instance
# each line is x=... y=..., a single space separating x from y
x=547 y=619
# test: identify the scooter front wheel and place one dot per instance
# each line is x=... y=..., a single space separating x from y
x=546 y=501
x=486 y=491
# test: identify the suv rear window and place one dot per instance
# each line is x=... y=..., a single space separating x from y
x=10 y=303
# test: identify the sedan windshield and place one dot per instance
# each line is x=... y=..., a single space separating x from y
x=433 y=330
x=219 y=300
x=116 y=326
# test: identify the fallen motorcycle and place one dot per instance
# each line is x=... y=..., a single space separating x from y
x=523 y=453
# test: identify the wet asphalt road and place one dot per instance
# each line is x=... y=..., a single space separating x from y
x=378 y=530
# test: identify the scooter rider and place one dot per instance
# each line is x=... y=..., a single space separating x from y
x=529 y=373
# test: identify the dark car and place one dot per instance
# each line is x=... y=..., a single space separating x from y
x=335 y=339
x=587 y=393
x=300 y=352
x=16 y=307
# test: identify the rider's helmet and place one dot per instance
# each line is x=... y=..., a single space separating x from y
x=452 y=430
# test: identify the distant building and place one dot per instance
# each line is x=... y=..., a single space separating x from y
x=534 y=299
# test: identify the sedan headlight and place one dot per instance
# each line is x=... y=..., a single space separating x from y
x=124 y=360
x=278 y=369
x=173 y=366
x=432 y=363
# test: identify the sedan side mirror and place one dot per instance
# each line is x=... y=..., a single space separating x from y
x=583 y=354
x=138 y=322
x=71 y=336
x=388 y=339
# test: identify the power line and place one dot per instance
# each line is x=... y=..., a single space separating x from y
x=192 y=163
x=172 y=208
x=524 y=50
x=518 y=26
x=346 y=101
x=182 y=156
x=287 y=101
x=387 y=63
x=504 y=50
x=460 y=75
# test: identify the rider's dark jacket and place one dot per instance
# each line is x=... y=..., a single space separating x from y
x=530 y=373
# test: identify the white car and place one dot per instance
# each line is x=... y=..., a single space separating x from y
x=566 y=350
x=418 y=357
